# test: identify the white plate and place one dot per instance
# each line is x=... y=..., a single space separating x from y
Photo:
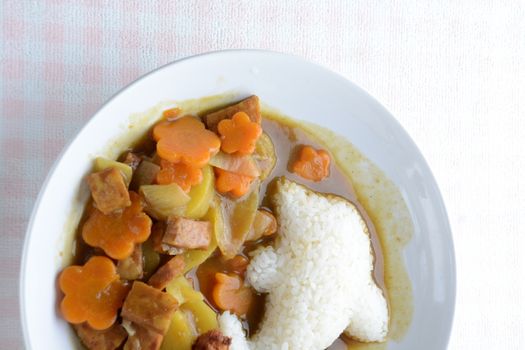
x=295 y=87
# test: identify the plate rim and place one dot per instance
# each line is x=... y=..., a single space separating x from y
x=438 y=202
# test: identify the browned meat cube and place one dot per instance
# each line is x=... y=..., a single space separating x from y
x=109 y=190
x=212 y=340
x=167 y=272
x=249 y=106
x=157 y=232
x=149 y=307
x=143 y=339
x=132 y=267
x=108 y=339
x=132 y=160
x=187 y=233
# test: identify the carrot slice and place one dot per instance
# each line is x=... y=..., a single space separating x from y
x=182 y=174
x=185 y=140
x=238 y=264
x=93 y=293
x=312 y=164
x=234 y=184
x=229 y=293
x=118 y=232
x=170 y=114
x=239 y=134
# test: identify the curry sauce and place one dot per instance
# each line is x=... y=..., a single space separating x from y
x=387 y=235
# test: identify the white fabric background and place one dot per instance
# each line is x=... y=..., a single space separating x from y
x=451 y=72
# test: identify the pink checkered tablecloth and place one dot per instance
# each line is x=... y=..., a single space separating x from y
x=452 y=74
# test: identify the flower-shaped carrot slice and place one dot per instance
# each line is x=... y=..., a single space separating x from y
x=185 y=140
x=312 y=164
x=234 y=184
x=182 y=174
x=229 y=293
x=239 y=134
x=170 y=114
x=117 y=233
x=92 y=293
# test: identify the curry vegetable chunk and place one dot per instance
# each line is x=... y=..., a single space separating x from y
x=132 y=267
x=220 y=230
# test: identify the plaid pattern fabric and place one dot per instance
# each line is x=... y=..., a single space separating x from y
x=452 y=74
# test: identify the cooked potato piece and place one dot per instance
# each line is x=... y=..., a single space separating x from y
x=164 y=200
x=204 y=317
x=181 y=289
x=249 y=106
x=180 y=334
x=195 y=314
x=148 y=307
x=109 y=190
x=131 y=268
x=201 y=195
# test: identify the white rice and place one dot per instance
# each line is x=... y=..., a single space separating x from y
x=232 y=327
x=261 y=270
x=318 y=276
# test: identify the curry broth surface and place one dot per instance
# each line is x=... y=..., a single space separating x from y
x=383 y=207
x=287 y=139
x=352 y=177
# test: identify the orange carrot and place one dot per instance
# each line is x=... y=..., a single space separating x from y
x=239 y=134
x=229 y=293
x=117 y=233
x=182 y=174
x=93 y=293
x=312 y=164
x=238 y=264
x=227 y=182
x=185 y=140
x=170 y=114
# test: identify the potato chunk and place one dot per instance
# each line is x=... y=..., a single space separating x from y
x=132 y=268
